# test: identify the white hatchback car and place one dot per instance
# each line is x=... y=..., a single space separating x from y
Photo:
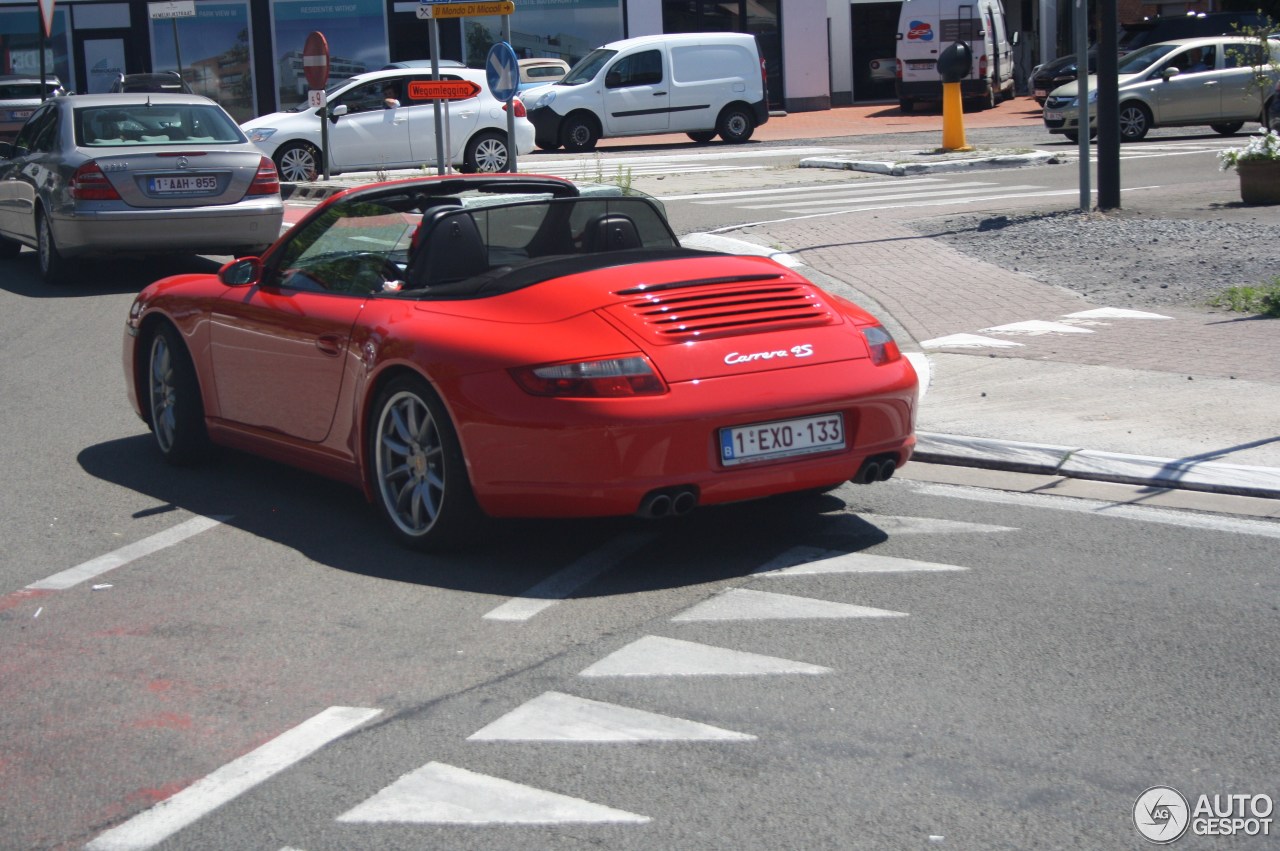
x=381 y=120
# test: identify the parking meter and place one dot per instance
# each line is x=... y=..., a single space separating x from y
x=954 y=64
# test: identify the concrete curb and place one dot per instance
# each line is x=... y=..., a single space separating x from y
x=928 y=162
x=1079 y=463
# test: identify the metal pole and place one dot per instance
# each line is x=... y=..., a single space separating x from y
x=1108 y=108
x=511 y=104
x=1082 y=92
x=44 y=88
x=441 y=165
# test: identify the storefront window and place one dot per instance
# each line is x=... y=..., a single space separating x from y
x=213 y=49
x=356 y=31
x=558 y=29
x=20 y=45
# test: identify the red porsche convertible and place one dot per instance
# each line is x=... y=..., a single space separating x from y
x=504 y=346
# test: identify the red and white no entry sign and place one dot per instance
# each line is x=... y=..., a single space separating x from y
x=315 y=61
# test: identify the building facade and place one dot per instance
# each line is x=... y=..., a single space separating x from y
x=247 y=54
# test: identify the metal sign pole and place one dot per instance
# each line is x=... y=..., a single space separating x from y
x=1082 y=90
x=177 y=51
x=511 y=106
x=435 y=75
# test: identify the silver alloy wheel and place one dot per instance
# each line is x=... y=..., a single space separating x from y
x=410 y=469
x=491 y=155
x=1134 y=123
x=161 y=393
x=298 y=163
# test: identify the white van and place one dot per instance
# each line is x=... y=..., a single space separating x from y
x=702 y=84
x=927 y=27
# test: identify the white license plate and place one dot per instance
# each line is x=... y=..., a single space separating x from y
x=1041 y=93
x=177 y=185
x=1053 y=116
x=781 y=439
x=20 y=114
x=917 y=65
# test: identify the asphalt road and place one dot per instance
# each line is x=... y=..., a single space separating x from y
x=950 y=666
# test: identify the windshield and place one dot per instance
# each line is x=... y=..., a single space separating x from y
x=1141 y=60
x=587 y=67
x=154 y=124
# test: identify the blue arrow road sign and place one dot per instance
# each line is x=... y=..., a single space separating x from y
x=503 y=71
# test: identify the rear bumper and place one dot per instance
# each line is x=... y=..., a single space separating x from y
x=526 y=463
x=198 y=230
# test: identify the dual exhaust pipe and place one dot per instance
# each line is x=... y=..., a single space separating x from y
x=668 y=502
x=878 y=468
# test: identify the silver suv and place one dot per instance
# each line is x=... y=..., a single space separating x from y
x=1205 y=81
x=19 y=97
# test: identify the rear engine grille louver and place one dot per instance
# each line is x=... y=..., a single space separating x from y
x=725 y=307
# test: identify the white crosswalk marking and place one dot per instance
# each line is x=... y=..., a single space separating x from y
x=558 y=717
x=438 y=793
x=585 y=166
x=745 y=604
x=654 y=656
x=800 y=561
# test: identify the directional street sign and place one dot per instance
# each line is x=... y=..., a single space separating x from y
x=171 y=9
x=440 y=11
x=46 y=16
x=502 y=71
x=442 y=89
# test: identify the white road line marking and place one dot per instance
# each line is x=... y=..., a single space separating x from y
x=802 y=561
x=1145 y=514
x=929 y=193
x=1115 y=313
x=745 y=604
x=444 y=794
x=802 y=190
x=560 y=585
x=892 y=525
x=96 y=567
x=654 y=656
x=1035 y=328
x=557 y=717
x=967 y=341
x=166 y=818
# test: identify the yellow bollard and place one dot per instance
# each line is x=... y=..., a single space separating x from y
x=953 y=119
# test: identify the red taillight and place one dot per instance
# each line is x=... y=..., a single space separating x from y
x=897 y=71
x=519 y=104
x=609 y=378
x=764 y=84
x=266 y=181
x=90 y=184
x=982 y=66
x=883 y=349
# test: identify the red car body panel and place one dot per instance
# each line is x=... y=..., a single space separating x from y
x=293 y=375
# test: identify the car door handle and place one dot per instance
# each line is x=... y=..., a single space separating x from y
x=330 y=344
x=659 y=94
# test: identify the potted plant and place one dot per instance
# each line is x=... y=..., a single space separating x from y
x=1258 y=164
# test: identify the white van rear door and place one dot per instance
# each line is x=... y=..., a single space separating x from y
x=637 y=94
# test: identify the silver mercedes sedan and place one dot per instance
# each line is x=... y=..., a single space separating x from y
x=134 y=174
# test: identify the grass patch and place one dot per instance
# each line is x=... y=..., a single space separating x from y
x=1263 y=299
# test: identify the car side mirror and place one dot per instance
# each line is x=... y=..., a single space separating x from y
x=6 y=150
x=241 y=272
x=338 y=111
x=1169 y=73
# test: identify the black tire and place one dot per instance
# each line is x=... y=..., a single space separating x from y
x=1072 y=136
x=417 y=471
x=298 y=162
x=1227 y=128
x=174 y=405
x=736 y=124
x=53 y=267
x=579 y=133
x=702 y=137
x=9 y=248
x=905 y=105
x=486 y=153
x=1135 y=121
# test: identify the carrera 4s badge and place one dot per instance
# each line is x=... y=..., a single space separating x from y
x=803 y=350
